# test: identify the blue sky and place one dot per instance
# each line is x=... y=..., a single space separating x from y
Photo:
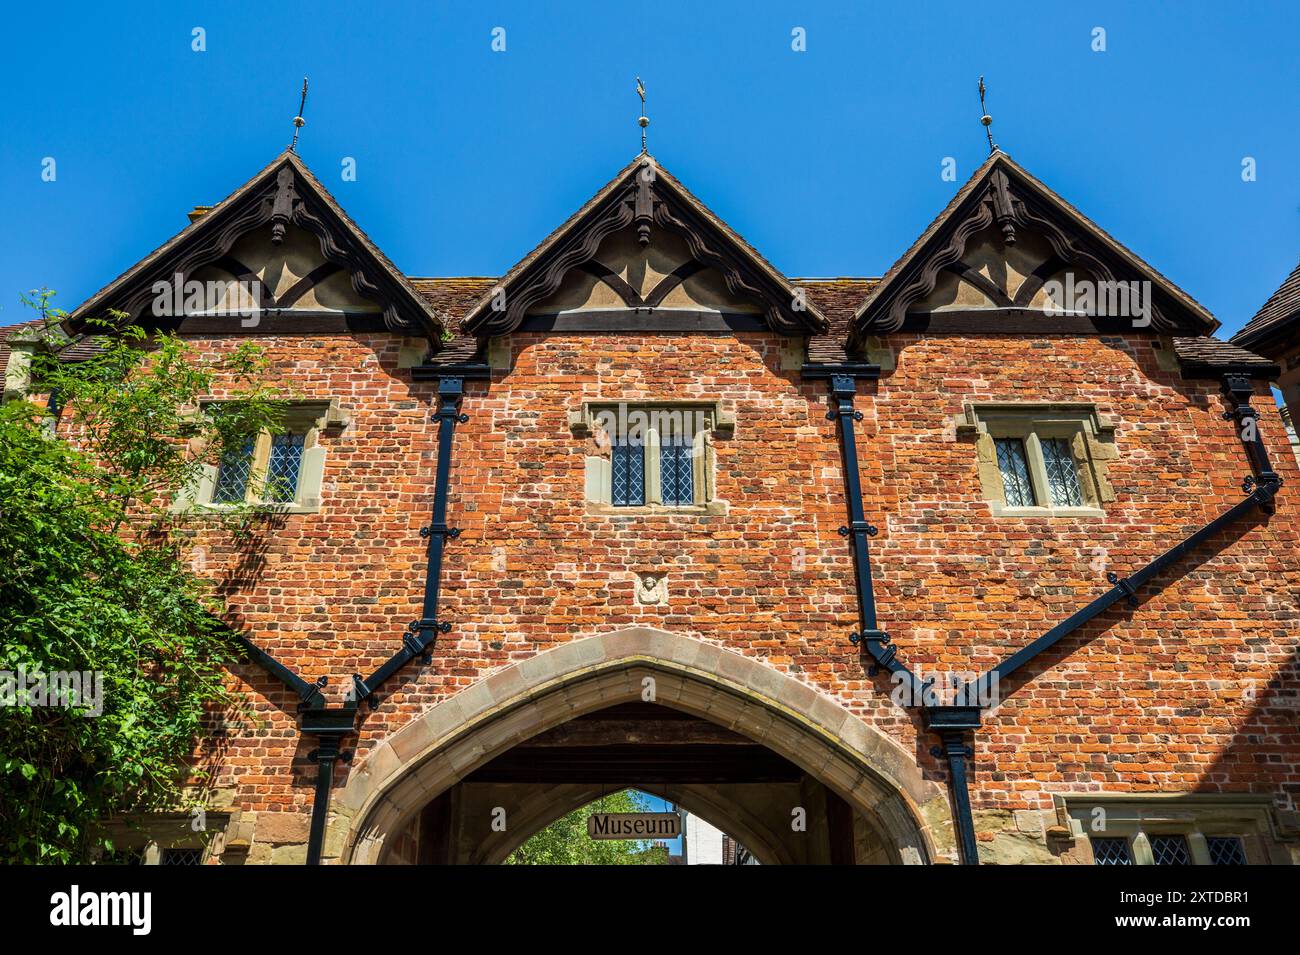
x=827 y=160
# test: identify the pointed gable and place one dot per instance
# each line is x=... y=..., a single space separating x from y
x=283 y=233
x=1274 y=325
x=644 y=247
x=997 y=255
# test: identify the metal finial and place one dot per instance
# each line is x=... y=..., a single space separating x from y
x=644 y=121
x=986 y=119
x=298 y=121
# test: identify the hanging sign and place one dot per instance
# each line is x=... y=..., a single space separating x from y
x=634 y=825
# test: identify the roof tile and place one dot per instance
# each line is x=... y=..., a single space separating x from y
x=1280 y=311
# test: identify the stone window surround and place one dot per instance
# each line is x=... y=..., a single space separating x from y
x=310 y=416
x=598 y=481
x=153 y=833
x=1138 y=816
x=1091 y=440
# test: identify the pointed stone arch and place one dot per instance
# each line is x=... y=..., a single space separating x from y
x=871 y=772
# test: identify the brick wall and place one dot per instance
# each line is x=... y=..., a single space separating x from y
x=1152 y=699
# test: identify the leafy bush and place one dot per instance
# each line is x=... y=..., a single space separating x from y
x=95 y=581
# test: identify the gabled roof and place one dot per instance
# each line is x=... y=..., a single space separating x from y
x=1275 y=323
x=284 y=191
x=647 y=195
x=1001 y=192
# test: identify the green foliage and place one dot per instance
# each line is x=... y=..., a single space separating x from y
x=95 y=580
x=135 y=407
x=565 y=841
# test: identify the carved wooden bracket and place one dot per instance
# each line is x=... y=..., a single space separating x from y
x=1015 y=208
x=283 y=199
x=643 y=200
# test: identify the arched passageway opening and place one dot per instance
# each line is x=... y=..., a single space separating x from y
x=790 y=773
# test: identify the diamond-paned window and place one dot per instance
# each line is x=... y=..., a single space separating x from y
x=627 y=474
x=181 y=857
x=1111 y=850
x=1170 y=850
x=1052 y=457
x=1062 y=473
x=652 y=455
x=1226 y=850
x=677 y=474
x=282 y=467
x=233 y=473
x=1017 y=487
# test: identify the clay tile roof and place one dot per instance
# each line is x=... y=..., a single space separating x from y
x=4 y=342
x=80 y=348
x=1276 y=316
x=454 y=297
x=837 y=299
x=1206 y=354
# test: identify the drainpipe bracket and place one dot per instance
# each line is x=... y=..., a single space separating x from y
x=314 y=694
x=876 y=643
x=946 y=720
x=440 y=529
x=859 y=527
x=1125 y=587
x=316 y=756
x=330 y=723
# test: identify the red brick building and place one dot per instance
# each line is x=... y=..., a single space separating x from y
x=588 y=525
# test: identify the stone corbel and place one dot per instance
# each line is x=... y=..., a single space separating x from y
x=335 y=417
x=580 y=422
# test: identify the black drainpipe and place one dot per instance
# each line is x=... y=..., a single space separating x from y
x=953 y=722
x=421 y=634
x=950 y=724
x=331 y=725
x=843 y=385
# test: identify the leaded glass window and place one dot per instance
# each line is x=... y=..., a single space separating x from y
x=1226 y=850
x=181 y=857
x=1111 y=850
x=1047 y=457
x=655 y=455
x=1170 y=850
x=233 y=473
x=282 y=468
x=627 y=473
x=677 y=474
x=1017 y=488
x=1062 y=474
